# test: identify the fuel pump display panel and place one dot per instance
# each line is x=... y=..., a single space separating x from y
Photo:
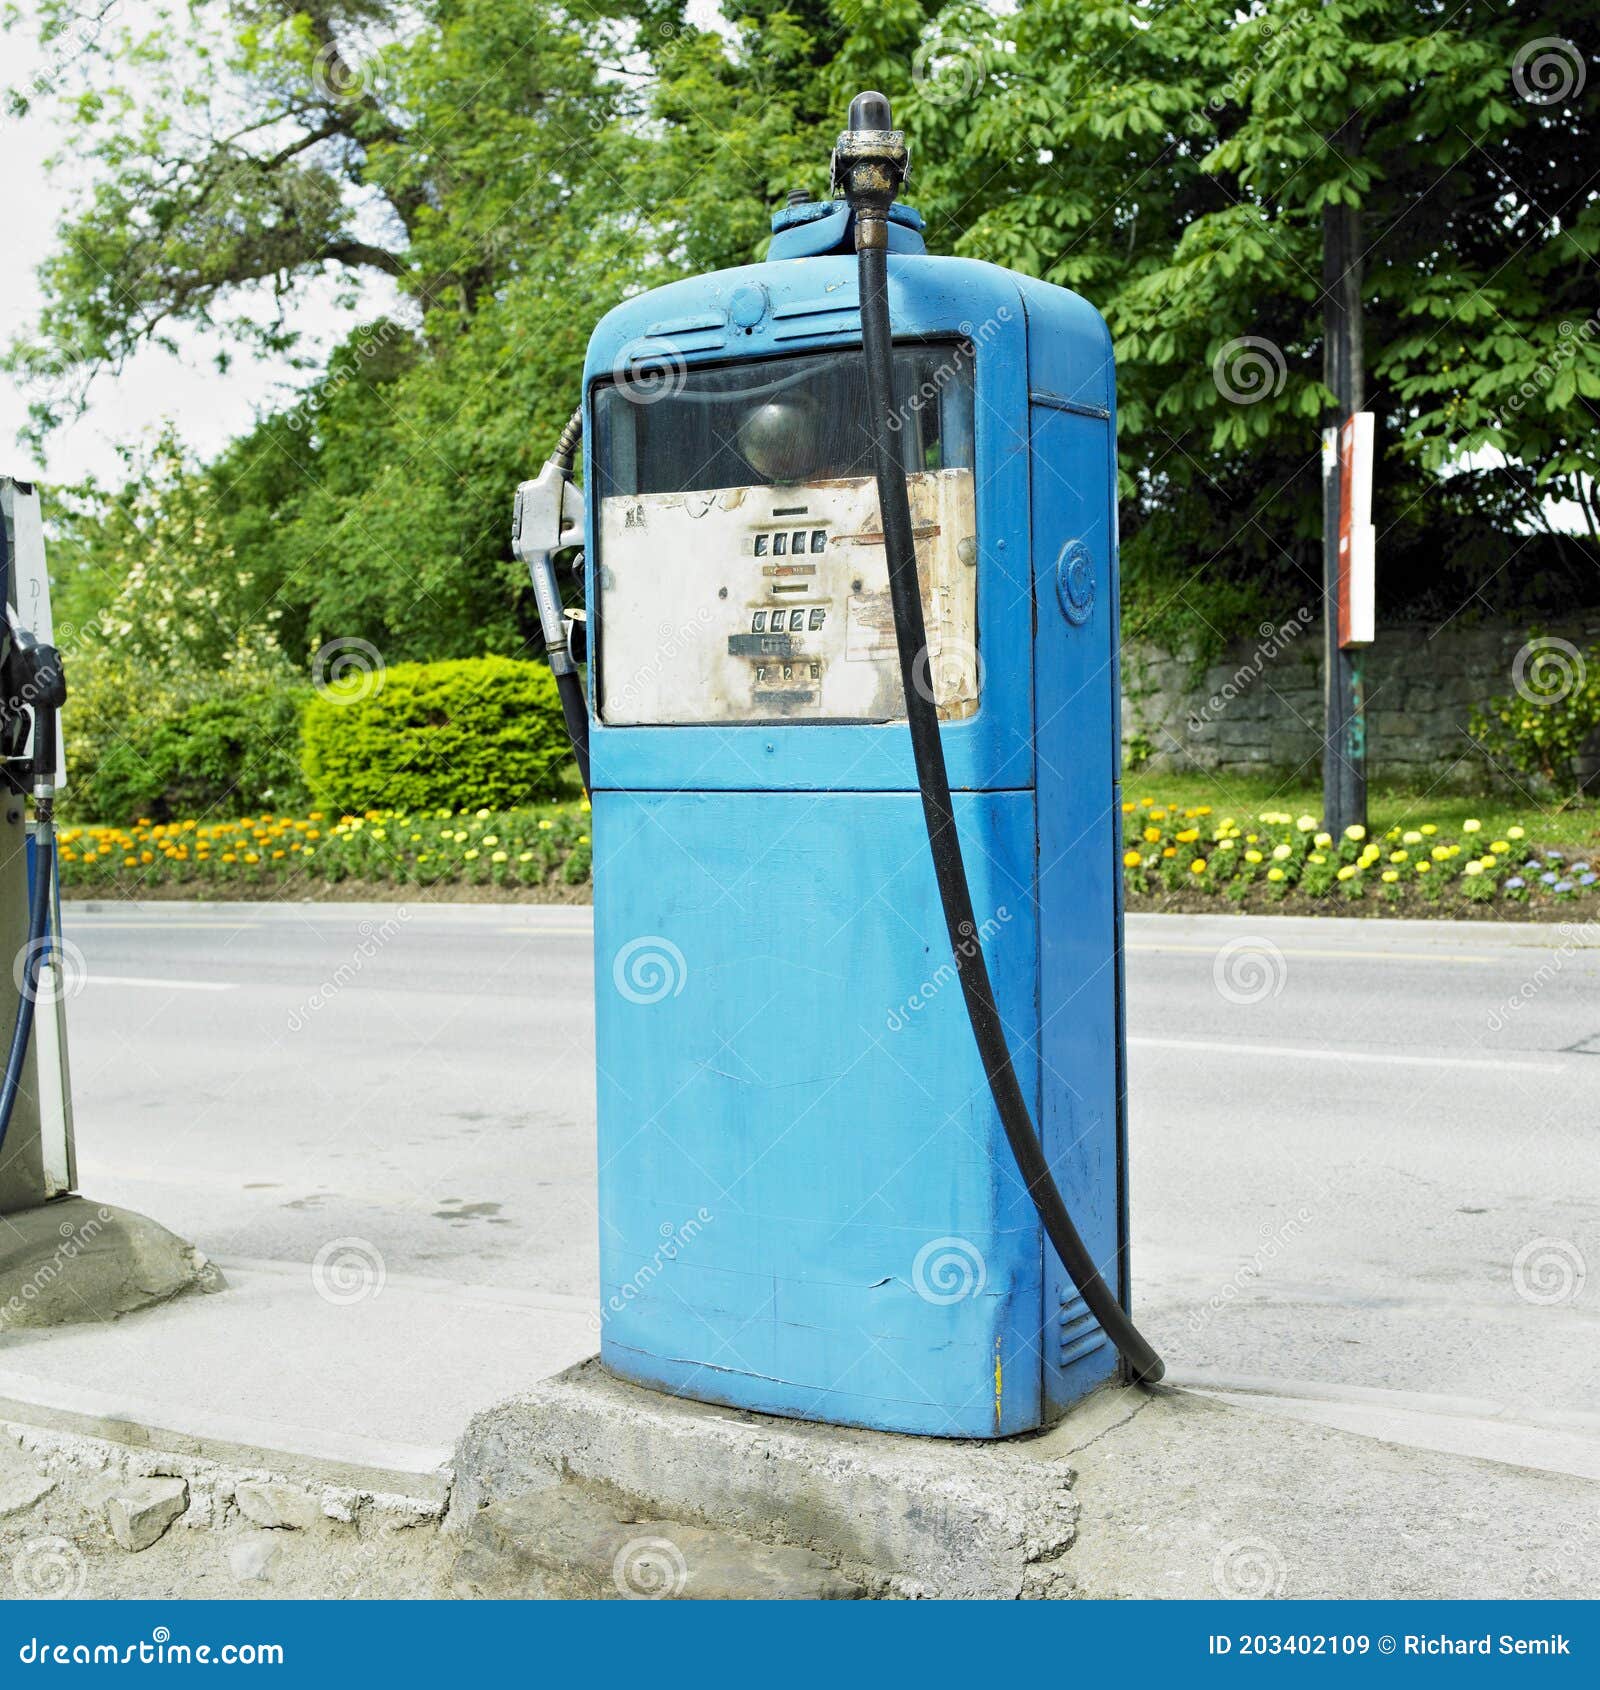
x=741 y=573
x=762 y=603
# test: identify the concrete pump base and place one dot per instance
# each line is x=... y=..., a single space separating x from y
x=900 y=1516
x=72 y=1260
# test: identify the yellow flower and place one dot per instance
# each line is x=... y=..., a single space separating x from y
x=1473 y=868
x=1198 y=866
x=545 y=826
x=1252 y=856
x=482 y=815
x=1127 y=809
x=1411 y=837
x=1279 y=852
x=491 y=839
x=1348 y=870
x=1274 y=874
x=229 y=857
x=1130 y=859
x=1428 y=827
x=527 y=856
x=1516 y=833
x=1323 y=841
x=498 y=857
x=1424 y=867
x=1440 y=853
x=1398 y=856
x=1355 y=831
x=1306 y=824
x=1391 y=874
x=583 y=838
x=1225 y=845
x=1471 y=826
x=1316 y=857
x=1170 y=851
x=1499 y=847
x=1158 y=815
x=1188 y=836
x=469 y=856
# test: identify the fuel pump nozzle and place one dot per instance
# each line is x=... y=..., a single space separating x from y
x=869 y=164
x=547 y=518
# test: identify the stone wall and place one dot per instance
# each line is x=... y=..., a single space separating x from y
x=1259 y=707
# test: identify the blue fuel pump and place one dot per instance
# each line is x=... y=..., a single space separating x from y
x=851 y=734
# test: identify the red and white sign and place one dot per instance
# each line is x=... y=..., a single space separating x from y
x=1357 y=537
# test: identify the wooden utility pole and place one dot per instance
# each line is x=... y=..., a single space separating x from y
x=1344 y=744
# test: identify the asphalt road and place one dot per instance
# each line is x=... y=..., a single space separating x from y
x=1365 y=1154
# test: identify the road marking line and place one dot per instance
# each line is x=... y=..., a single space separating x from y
x=1307 y=951
x=91 y=978
x=151 y=926
x=1297 y=1053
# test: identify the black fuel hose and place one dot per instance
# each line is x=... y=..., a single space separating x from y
x=933 y=783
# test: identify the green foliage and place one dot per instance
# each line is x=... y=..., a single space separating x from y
x=477 y=731
x=1538 y=728
x=143 y=742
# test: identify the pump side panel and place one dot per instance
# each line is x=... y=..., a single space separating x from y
x=807 y=1206
x=1079 y=830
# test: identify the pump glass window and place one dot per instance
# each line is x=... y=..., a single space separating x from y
x=741 y=571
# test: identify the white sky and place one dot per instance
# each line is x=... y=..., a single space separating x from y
x=208 y=408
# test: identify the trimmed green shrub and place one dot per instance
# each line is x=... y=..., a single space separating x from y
x=484 y=731
x=190 y=745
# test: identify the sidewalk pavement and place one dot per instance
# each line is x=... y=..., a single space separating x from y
x=367 y=1382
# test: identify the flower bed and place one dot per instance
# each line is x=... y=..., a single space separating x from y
x=267 y=855
x=1170 y=852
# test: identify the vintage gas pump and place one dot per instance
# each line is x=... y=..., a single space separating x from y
x=36 y=1148
x=843 y=968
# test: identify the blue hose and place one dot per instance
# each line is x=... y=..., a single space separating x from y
x=44 y=863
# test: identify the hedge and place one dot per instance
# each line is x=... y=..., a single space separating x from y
x=484 y=731
x=142 y=744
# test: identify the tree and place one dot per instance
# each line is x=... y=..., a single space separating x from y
x=1172 y=164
